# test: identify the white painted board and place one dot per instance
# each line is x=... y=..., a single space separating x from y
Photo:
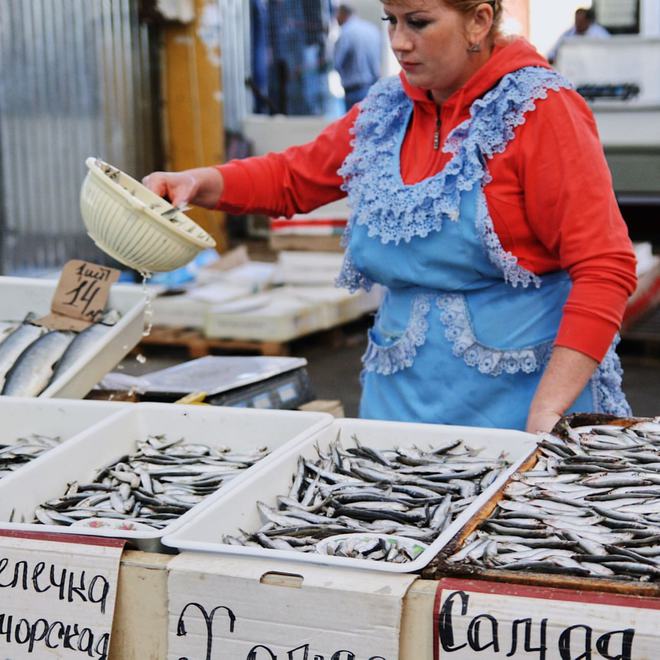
x=236 y=510
x=493 y=620
x=230 y=607
x=57 y=598
x=21 y=295
x=106 y=442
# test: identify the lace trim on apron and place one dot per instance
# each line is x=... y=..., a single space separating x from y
x=401 y=354
x=491 y=361
x=395 y=212
x=606 y=385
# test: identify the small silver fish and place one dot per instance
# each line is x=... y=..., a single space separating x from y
x=34 y=368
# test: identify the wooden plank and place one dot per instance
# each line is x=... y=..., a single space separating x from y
x=192 y=102
x=139 y=631
x=198 y=345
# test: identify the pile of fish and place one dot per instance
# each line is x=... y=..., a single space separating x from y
x=32 y=357
x=590 y=507
x=23 y=450
x=151 y=487
x=402 y=492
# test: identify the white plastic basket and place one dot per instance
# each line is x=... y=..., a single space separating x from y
x=235 y=509
x=125 y=219
x=110 y=439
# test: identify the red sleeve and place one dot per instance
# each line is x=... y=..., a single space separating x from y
x=571 y=207
x=296 y=180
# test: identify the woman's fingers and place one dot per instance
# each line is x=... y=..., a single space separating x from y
x=177 y=187
x=201 y=186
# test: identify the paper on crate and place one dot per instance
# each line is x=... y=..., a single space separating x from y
x=57 y=596
x=80 y=296
x=228 y=607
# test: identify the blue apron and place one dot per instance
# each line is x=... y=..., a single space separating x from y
x=464 y=332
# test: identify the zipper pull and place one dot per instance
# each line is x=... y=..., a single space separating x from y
x=436 y=134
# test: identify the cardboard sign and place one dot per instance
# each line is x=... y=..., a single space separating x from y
x=478 y=620
x=57 y=595
x=225 y=607
x=80 y=297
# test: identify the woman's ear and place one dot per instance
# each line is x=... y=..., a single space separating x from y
x=480 y=23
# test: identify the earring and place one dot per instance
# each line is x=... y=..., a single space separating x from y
x=474 y=48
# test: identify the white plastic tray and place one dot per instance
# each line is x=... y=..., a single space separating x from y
x=19 y=295
x=51 y=417
x=236 y=509
x=76 y=460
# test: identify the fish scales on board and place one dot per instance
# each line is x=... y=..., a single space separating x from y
x=390 y=502
x=149 y=488
x=589 y=508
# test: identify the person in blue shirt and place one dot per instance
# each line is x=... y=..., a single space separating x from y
x=357 y=55
x=585 y=26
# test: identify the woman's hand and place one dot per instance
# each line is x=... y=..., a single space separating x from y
x=202 y=186
x=542 y=421
x=566 y=375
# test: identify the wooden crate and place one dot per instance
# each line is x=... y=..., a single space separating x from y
x=440 y=568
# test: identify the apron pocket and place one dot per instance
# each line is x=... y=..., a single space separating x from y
x=388 y=352
x=455 y=318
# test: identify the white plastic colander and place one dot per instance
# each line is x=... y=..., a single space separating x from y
x=134 y=225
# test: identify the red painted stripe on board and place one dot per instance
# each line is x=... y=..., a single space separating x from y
x=545 y=593
x=278 y=223
x=64 y=538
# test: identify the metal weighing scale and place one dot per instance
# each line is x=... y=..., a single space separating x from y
x=248 y=382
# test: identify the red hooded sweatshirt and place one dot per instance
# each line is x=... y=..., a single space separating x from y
x=551 y=197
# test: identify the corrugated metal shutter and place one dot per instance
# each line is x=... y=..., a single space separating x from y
x=76 y=79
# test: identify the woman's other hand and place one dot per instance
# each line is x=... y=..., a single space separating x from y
x=202 y=186
x=542 y=421
x=565 y=376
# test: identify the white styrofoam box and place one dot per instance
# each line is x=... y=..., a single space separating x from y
x=302 y=267
x=112 y=438
x=21 y=417
x=275 y=133
x=189 y=309
x=19 y=296
x=270 y=316
x=339 y=305
x=236 y=509
x=179 y=311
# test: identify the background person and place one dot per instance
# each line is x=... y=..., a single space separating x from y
x=357 y=55
x=482 y=201
x=585 y=26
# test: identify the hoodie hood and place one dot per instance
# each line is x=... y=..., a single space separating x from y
x=508 y=55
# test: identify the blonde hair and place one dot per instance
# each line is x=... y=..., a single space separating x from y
x=466 y=6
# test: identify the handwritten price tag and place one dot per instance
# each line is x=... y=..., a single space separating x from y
x=57 y=595
x=81 y=295
x=479 y=620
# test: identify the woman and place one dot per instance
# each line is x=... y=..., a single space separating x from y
x=482 y=201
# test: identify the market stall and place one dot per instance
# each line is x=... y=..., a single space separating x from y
x=578 y=577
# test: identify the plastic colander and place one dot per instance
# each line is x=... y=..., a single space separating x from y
x=134 y=225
